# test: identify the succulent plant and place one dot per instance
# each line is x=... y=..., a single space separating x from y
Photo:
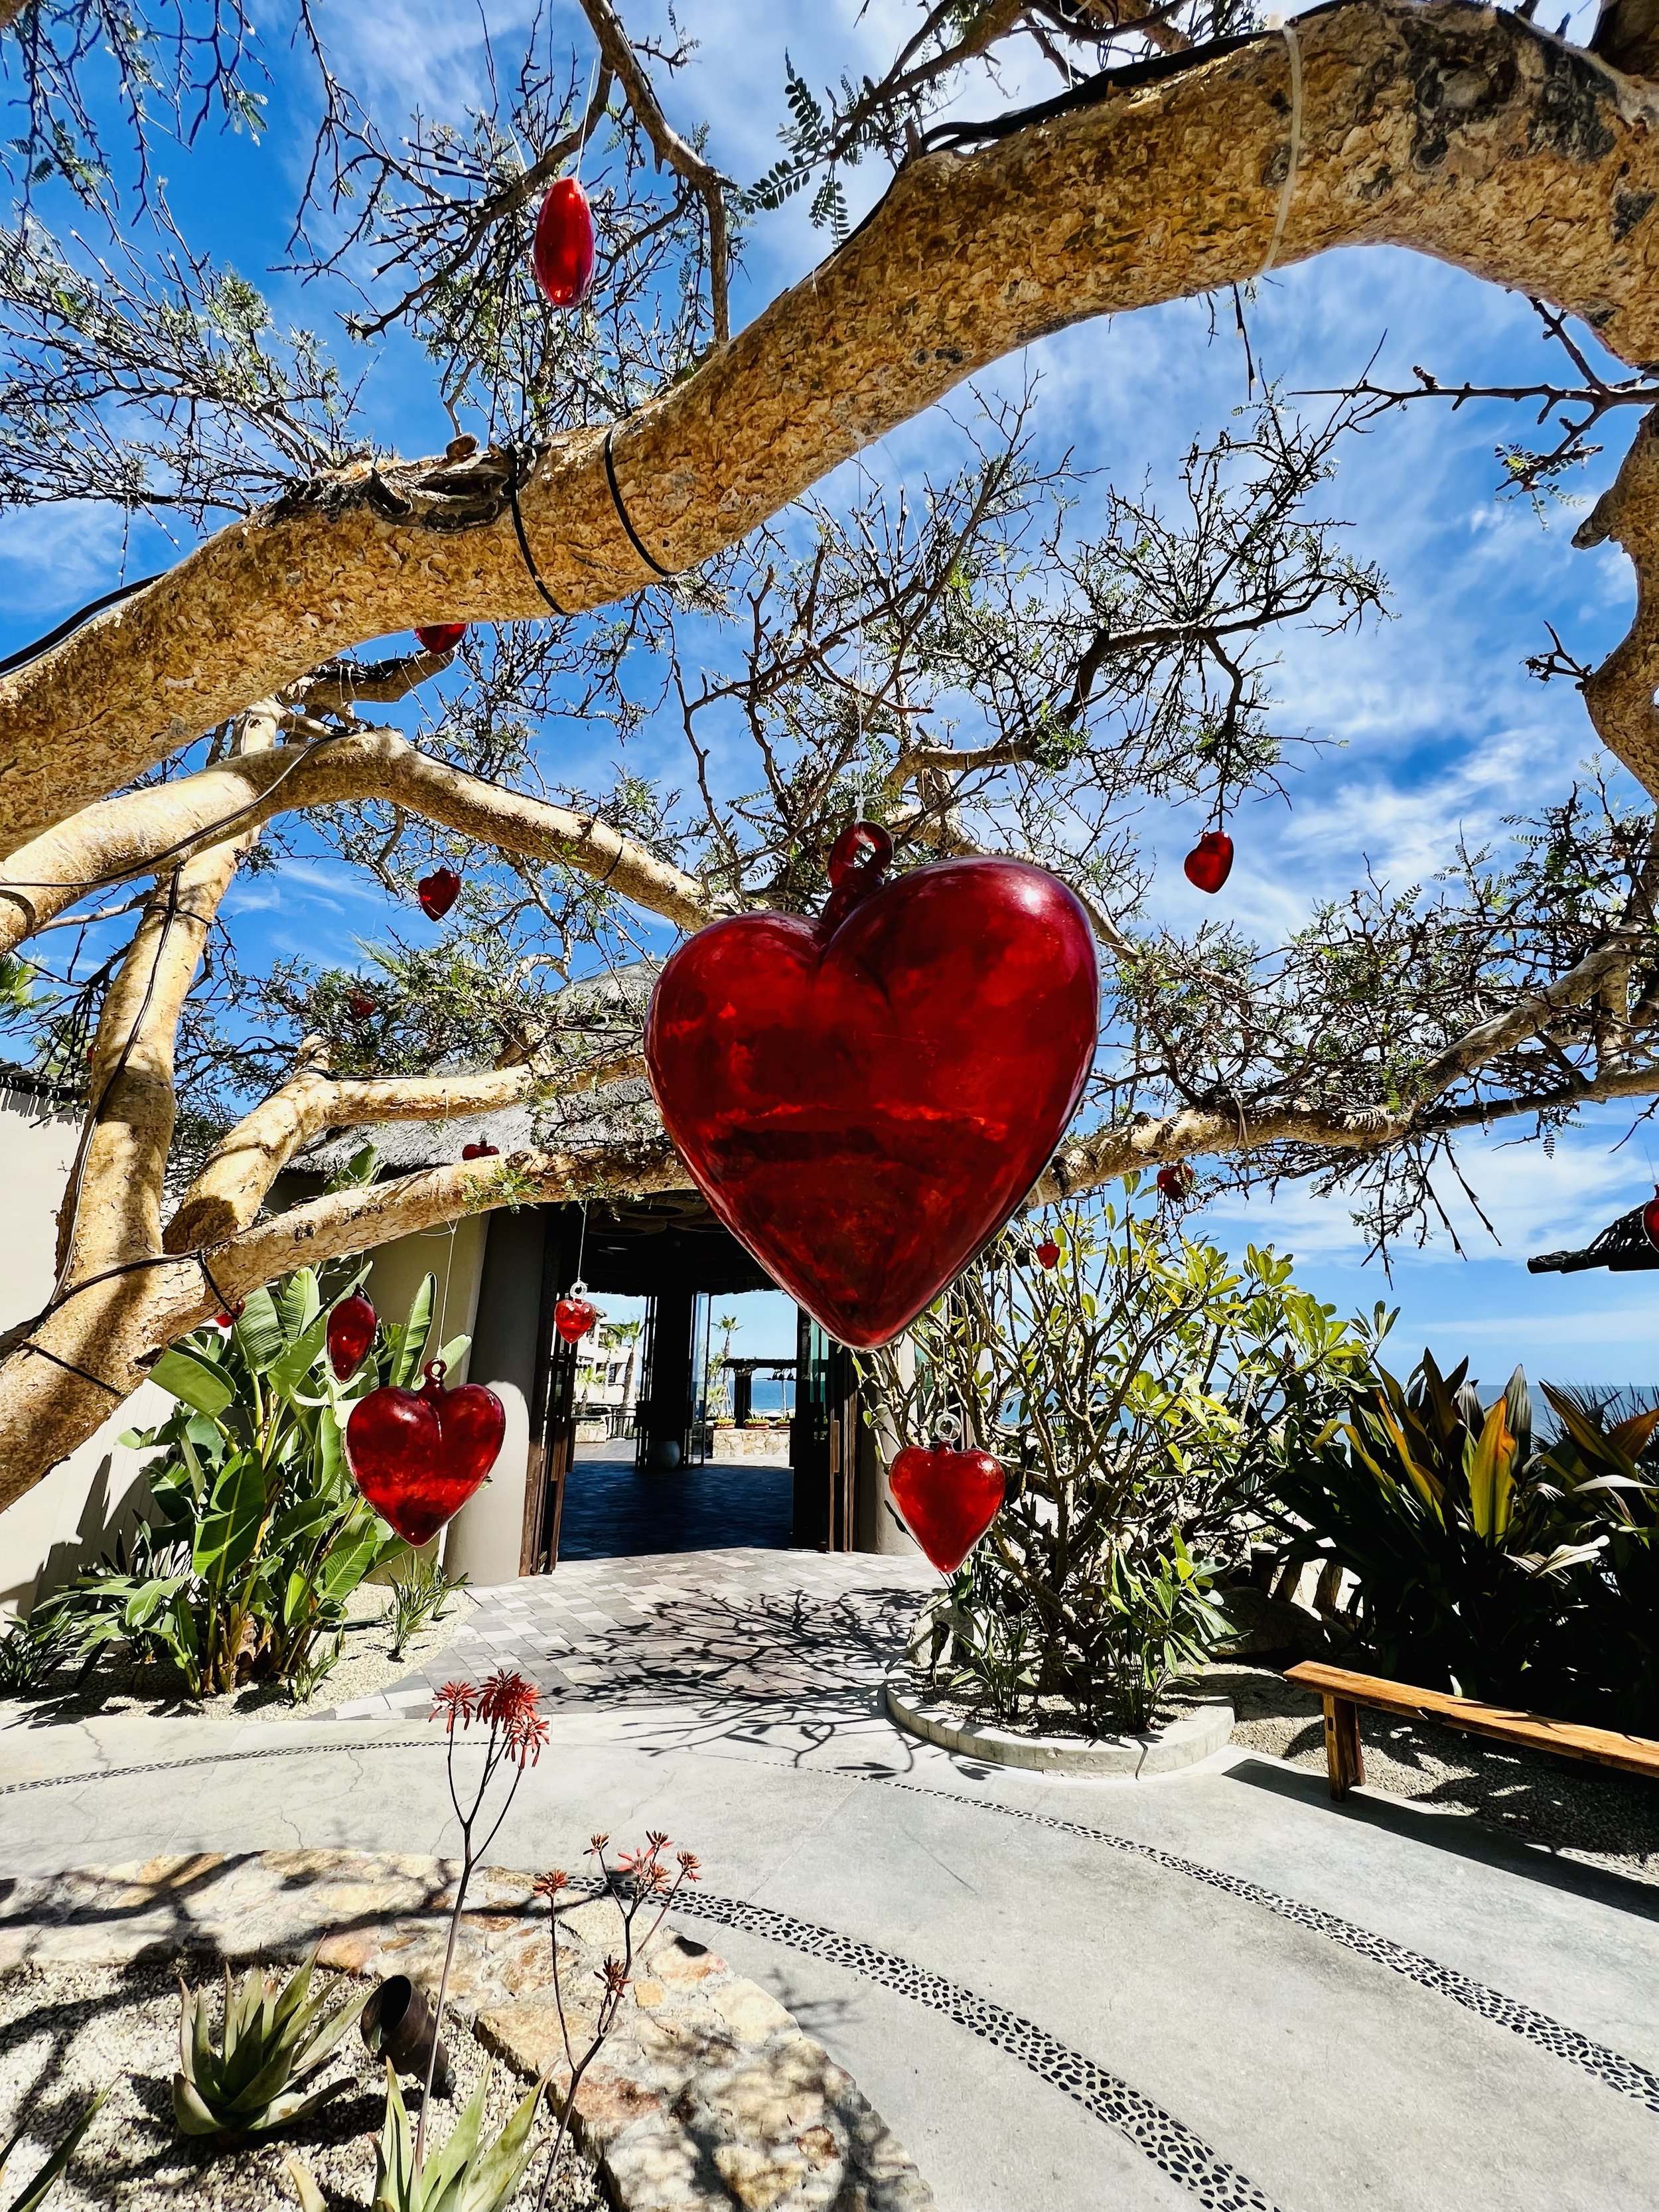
x=273 y=2040
x=34 y=2192
x=464 y=2173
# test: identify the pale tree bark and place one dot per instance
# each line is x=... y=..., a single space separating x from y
x=67 y=1370
x=1619 y=694
x=128 y=836
x=235 y=1180
x=1462 y=132
x=111 y=1209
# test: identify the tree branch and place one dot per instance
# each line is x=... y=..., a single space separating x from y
x=128 y=835
x=1531 y=167
x=229 y=1190
x=1620 y=695
x=621 y=59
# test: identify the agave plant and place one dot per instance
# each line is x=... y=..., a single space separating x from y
x=274 y=2039
x=35 y=2191
x=469 y=2173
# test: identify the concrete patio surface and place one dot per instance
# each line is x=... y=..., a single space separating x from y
x=1213 y=1989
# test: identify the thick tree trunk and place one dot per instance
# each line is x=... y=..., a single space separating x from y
x=1461 y=131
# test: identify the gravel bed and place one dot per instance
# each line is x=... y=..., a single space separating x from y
x=65 y=2031
x=1583 y=1812
x=366 y=1665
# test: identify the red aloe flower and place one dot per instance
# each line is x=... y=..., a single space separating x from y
x=456 y=1701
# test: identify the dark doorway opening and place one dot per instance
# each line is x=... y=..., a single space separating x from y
x=658 y=1488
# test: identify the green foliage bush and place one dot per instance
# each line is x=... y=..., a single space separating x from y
x=1143 y=1396
x=1484 y=1561
x=256 y=1538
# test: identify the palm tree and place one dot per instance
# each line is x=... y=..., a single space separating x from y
x=728 y=1326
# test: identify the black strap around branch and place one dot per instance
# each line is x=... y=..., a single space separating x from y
x=513 y=480
x=634 y=538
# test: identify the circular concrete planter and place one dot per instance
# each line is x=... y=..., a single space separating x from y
x=1129 y=1758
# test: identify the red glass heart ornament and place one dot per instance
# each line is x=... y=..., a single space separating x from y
x=359 y=1006
x=480 y=1151
x=440 y=637
x=947 y=1499
x=417 y=1455
x=1650 y=1219
x=864 y=1099
x=228 y=1320
x=573 y=1317
x=438 y=892
x=1048 y=1254
x=1210 y=861
x=562 y=255
x=1175 y=1180
x=350 y=1332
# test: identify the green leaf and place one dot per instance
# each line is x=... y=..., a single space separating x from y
x=297 y=1303
x=199 y=1384
x=301 y=1357
x=259 y=1336
x=230 y=1528
x=412 y=1342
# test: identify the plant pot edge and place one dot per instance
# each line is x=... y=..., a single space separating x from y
x=1166 y=1750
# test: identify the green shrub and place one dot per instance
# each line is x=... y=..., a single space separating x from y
x=272 y=2040
x=1482 y=1562
x=1141 y=1394
x=256 y=1536
x=1460 y=1551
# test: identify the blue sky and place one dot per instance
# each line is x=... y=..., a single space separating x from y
x=1432 y=724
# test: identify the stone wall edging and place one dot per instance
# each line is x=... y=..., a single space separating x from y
x=1129 y=1757
x=709 y=2097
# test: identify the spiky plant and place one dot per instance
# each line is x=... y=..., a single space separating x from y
x=273 y=2040
x=465 y=2174
x=34 y=2192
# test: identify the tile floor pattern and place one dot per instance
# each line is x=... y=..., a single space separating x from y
x=745 y=1626
x=610 y=1509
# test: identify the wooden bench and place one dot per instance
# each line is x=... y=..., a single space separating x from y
x=1343 y=1694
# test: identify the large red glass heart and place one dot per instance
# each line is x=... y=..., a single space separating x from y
x=1210 y=861
x=573 y=1317
x=417 y=1455
x=350 y=1333
x=948 y=1499
x=562 y=255
x=864 y=1099
x=440 y=637
x=1650 y=1220
x=438 y=892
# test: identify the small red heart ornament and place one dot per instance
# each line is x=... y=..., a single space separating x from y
x=440 y=637
x=948 y=1499
x=1650 y=1220
x=1175 y=1180
x=417 y=1455
x=866 y=1098
x=562 y=254
x=438 y=892
x=359 y=1006
x=1210 y=861
x=573 y=1317
x=1047 y=1253
x=480 y=1151
x=350 y=1333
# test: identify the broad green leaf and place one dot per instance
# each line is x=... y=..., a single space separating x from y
x=412 y=1342
x=194 y=1380
x=260 y=1335
x=297 y=1303
x=230 y=1528
x=301 y=1357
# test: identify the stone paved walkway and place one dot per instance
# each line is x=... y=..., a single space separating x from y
x=1214 y=1991
x=798 y=1631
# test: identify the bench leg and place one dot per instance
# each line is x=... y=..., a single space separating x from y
x=1343 y=1756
